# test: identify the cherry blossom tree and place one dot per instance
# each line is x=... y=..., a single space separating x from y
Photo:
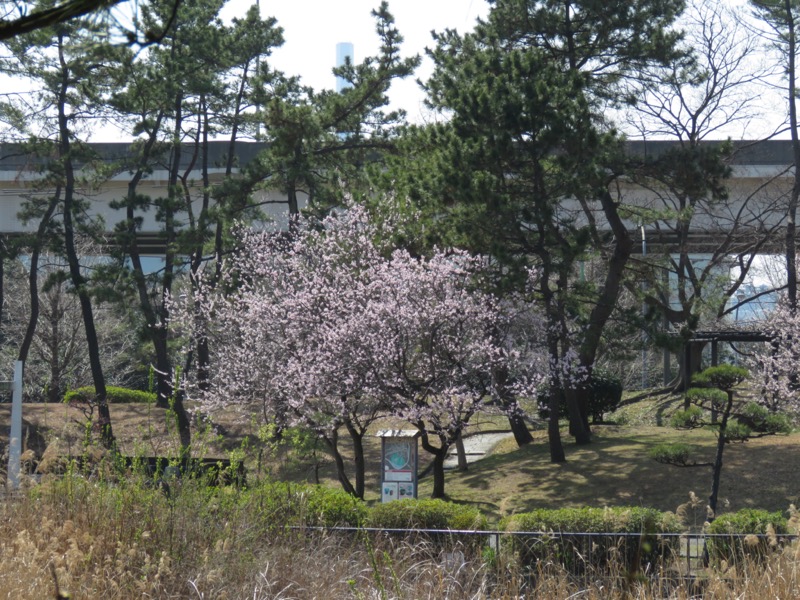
x=447 y=341
x=327 y=328
x=777 y=363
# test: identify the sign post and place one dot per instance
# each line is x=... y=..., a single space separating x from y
x=15 y=435
x=399 y=462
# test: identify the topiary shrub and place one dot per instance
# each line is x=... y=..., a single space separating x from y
x=114 y=395
x=581 y=538
x=747 y=533
x=605 y=394
x=432 y=514
x=724 y=377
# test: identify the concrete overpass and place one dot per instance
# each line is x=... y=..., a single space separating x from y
x=758 y=191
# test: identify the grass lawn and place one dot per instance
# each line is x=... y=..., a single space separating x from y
x=615 y=470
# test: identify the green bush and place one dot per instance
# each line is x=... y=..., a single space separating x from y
x=601 y=548
x=114 y=395
x=671 y=454
x=744 y=528
x=605 y=394
x=425 y=514
x=328 y=507
x=283 y=503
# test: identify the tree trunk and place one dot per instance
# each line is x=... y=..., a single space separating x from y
x=3 y=257
x=553 y=432
x=78 y=280
x=461 y=453
x=182 y=421
x=439 y=454
x=438 y=472
x=578 y=422
x=332 y=441
x=577 y=429
x=717 y=468
x=791 y=216
x=358 y=455
x=520 y=430
x=554 y=399
x=33 y=276
x=510 y=405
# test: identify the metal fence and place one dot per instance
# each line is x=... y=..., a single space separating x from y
x=584 y=554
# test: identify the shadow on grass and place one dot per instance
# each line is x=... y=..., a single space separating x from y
x=615 y=470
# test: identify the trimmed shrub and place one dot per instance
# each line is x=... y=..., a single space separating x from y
x=328 y=507
x=605 y=394
x=283 y=503
x=425 y=514
x=579 y=538
x=737 y=432
x=432 y=514
x=114 y=395
x=752 y=535
x=707 y=397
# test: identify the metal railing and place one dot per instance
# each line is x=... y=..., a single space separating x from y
x=682 y=555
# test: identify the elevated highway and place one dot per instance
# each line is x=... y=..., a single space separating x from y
x=758 y=189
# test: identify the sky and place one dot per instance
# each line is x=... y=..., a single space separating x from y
x=312 y=28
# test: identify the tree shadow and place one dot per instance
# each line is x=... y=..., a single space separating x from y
x=615 y=470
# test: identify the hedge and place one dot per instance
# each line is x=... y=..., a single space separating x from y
x=425 y=514
x=284 y=503
x=746 y=528
x=558 y=540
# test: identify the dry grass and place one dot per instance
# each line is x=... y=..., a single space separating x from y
x=140 y=429
x=101 y=541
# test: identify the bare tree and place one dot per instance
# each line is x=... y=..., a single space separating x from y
x=700 y=225
x=56 y=356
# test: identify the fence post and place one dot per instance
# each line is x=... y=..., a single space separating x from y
x=688 y=556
